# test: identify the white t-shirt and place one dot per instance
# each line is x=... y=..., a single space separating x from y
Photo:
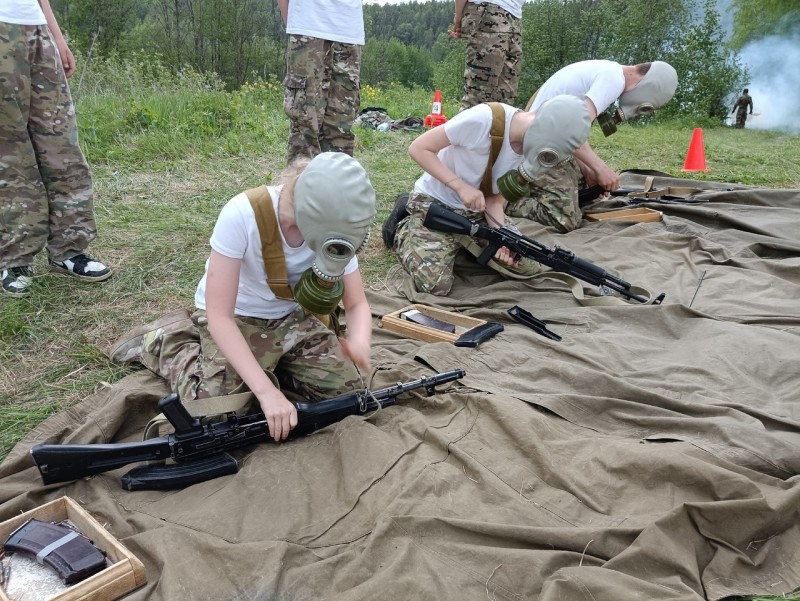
x=468 y=154
x=512 y=6
x=601 y=81
x=335 y=20
x=21 y=12
x=236 y=235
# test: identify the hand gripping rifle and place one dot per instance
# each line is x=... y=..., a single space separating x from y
x=199 y=449
x=559 y=259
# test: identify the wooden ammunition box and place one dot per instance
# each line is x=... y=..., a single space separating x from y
x=641 y=214
x=123 y=573
x=394 y=323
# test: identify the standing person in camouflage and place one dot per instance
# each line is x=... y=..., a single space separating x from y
x=251 y=330
x=323 y=72
x=640 y=89
x=742 y=103
x=46 y=184
x=493 y=31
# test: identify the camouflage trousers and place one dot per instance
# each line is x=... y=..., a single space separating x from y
x=429 y=256
x=741 y=117
x=298 y=351
x=554 y=198
x=494 y=54
x=45 y=182
x=322 y=95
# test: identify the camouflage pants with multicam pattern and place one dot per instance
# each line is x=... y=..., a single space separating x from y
x=297 y=350
x=494 y=54
x=429 y=256
x=554 y=198
x=322 y=95
x=46 y=198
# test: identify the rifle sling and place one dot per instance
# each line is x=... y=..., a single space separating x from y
x=670 y=192
x=238 y=403
x=575 y=285
x=272 y=248
x=496 y=135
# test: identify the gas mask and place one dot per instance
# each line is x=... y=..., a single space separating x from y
x=560 y=127
x=655 y=90
x=334 y=205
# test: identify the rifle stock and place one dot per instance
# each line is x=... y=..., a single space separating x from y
x=558 y=259
x=193 y=439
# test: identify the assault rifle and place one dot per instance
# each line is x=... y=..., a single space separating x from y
x=199 y=448
x=559 y=259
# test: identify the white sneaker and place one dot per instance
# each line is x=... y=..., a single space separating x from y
x=17 y=281
x=83 y=267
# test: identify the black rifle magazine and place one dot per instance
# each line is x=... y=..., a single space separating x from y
x=473 y=337
x=179 y=475
x=65 y=550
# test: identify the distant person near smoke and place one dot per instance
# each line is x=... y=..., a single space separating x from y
x=742 y=103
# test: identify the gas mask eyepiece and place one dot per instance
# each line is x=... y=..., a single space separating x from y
x=334 y=205
x=561 y=125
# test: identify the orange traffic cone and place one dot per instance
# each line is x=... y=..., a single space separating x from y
x=436 y=117
x=696 y=157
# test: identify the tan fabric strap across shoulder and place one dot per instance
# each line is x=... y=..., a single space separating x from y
x=497 y=135
x=271 y=248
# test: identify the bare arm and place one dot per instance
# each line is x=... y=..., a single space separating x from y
x=455 y=33
x=594 y=169
x=359 y=321
x=424 y=151
x=283 y=5
x=222 y=285
x=67 y=58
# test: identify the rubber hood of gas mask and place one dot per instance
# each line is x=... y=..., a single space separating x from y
x=656 y=89
x=560 y=126
x=333 y=198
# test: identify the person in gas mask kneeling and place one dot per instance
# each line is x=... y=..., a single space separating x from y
x=282 y=257
x=553 y=198
x=465 y=175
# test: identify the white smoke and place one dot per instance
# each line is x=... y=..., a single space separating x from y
x=775 y=82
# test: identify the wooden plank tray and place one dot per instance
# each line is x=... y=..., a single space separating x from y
x=642 y=214
x=394 y=323
x=123 y=574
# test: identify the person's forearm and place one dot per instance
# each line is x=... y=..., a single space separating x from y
x=459 y=14
x=588 y=157
x=283 y=6
x=432 y=165
x=359 y=322
x=52 y=24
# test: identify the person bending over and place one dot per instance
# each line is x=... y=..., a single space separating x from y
x=281 y=258
x=455 y=159
x=639 y=89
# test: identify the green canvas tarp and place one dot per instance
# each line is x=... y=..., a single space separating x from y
x=652 y=453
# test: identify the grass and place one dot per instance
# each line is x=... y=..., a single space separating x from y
x=167 y=154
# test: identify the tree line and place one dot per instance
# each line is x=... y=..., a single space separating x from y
x=244 y=40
